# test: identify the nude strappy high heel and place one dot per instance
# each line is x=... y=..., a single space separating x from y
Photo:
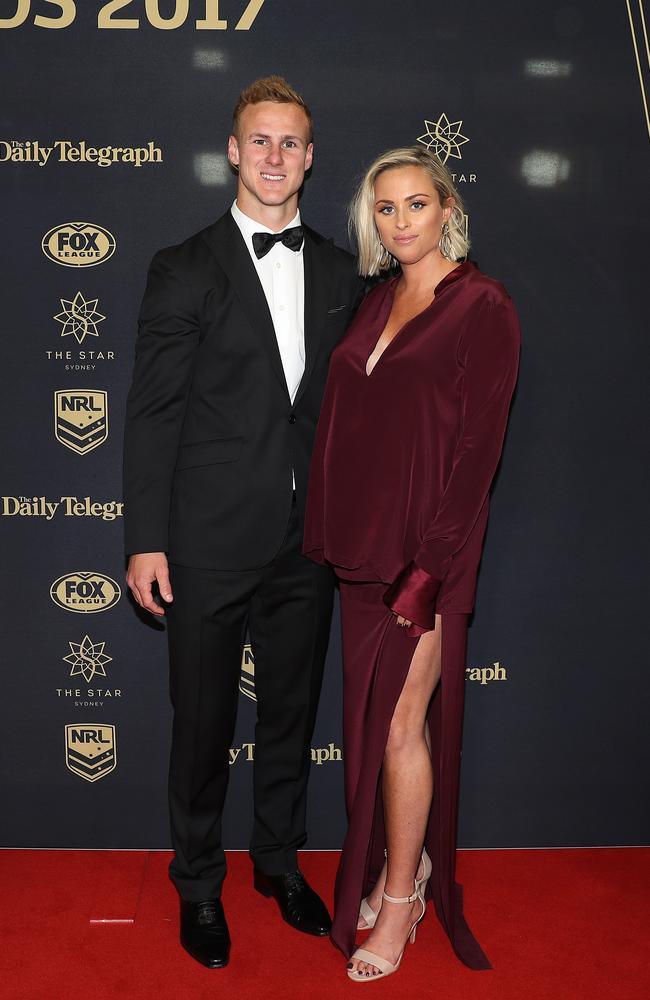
x=365 y=909
x=426 y=873
x=385 y=967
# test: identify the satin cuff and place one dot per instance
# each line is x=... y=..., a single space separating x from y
x=413 y=596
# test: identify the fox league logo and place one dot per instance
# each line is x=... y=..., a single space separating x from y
x=81 y=418
x=85 y=593
x=90 y=750
x=78 y=244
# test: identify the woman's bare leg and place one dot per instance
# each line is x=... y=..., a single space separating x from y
x=407 y=784
x=375 y=898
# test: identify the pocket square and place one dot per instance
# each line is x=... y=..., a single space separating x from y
x=336 y=309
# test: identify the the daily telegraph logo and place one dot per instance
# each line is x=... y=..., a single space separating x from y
x=484 y=675
x=90 y=749
x=40 y=154
x=331 y=754
x=81 y=418
x=78 y=244
x=85 y=592
x=71 y=506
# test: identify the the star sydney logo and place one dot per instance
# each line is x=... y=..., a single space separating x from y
x=87 y=658
x=443 y=138
x=79 y=318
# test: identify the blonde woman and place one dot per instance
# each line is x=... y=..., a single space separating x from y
x=409 y=438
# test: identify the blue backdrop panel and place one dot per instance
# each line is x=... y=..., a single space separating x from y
x=112 y=144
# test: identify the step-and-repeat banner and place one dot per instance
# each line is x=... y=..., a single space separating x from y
x=113 y=130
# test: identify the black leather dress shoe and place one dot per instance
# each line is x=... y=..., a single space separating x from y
x=299 y=905
x=204 y=932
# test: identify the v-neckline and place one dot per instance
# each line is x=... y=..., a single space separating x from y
x=390 y=297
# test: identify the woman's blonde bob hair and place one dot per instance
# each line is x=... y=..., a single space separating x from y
x=373 y=257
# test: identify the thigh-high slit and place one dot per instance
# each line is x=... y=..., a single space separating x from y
x=377 y=655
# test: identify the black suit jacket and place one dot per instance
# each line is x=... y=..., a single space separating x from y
x=211 y=435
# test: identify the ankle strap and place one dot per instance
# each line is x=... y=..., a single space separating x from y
x=402 y=899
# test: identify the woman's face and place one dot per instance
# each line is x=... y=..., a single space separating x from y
x=408 y=213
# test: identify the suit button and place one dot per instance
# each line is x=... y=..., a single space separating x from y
x=292 y=418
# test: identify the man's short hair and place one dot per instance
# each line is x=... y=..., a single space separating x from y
x=270 y=88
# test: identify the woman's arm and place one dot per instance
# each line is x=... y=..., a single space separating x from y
x=490 y=360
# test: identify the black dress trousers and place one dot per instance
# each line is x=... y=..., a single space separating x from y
x=287 y=606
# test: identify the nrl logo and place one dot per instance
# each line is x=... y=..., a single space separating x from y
x=85 y=593
x=90 y=750
x=78 y=244
x=81 y=418
x=247 y=673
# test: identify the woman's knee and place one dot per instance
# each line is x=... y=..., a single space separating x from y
x=406 y=732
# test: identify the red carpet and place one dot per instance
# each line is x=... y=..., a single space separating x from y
x=558 y=925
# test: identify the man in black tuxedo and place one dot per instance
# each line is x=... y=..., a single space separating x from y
x=235 y=333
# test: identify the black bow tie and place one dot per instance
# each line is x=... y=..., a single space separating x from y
x=263 y=242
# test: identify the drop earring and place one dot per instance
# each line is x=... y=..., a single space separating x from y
x=386 y=259
x=445 y=242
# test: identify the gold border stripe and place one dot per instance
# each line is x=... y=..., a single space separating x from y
x=638 y=62
x=645 y=32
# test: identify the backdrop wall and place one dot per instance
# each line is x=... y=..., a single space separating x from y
x=113 y=131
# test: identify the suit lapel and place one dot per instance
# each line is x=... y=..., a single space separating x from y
x=317 y=286
x=227 y=244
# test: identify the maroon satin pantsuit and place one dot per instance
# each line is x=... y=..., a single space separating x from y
x=398 y=504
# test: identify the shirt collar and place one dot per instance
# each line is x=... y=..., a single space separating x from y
x=465 y=267
x=249 y=226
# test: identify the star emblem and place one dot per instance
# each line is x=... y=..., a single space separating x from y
x=87 y=658
x=443 y=138
x=79 y=317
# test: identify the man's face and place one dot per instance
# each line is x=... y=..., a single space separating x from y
x=272 y=153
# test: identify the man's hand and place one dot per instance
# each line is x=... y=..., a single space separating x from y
x=145 y=568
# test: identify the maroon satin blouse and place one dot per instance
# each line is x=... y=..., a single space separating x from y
x=404 y=457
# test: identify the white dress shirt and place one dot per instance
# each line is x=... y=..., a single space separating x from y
x=282 y=276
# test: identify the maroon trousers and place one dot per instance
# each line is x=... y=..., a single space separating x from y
x=377 y=654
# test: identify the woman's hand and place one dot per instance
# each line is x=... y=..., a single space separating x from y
x=404 y=622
